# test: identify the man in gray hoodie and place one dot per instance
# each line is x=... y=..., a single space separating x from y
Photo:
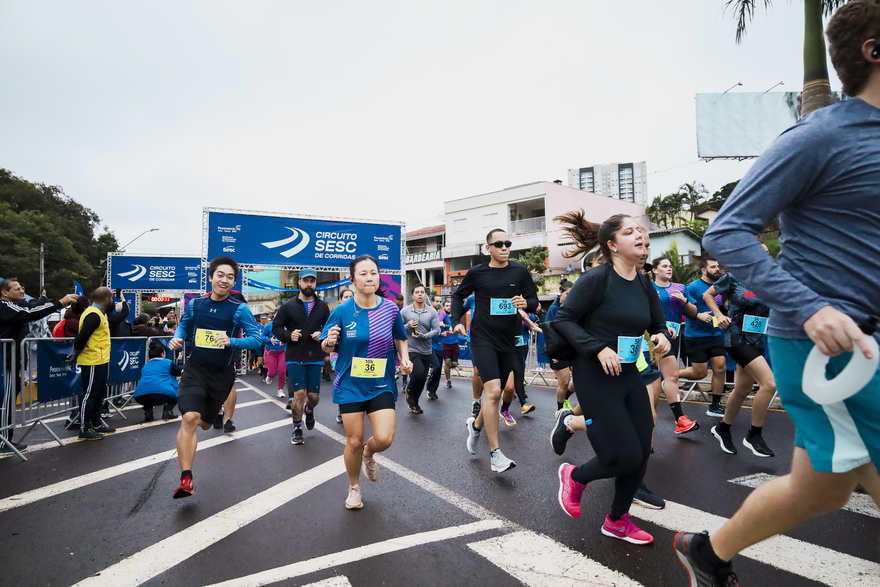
x=422 y=323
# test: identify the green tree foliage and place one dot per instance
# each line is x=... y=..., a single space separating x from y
x=772 y=246
x=32 y=213
x=535 y=259
x=681 y=272
x=677 y=207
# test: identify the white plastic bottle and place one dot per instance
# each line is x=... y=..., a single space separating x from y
x=854 y=377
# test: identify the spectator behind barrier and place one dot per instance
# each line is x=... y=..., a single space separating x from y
x=71 y=318
x=145 y=326
x=158 y=383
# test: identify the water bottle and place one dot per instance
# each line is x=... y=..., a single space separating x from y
x=855 y=376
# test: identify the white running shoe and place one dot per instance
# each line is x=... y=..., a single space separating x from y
x=353 y=501
x=281 y=393
x=500 y=463
x=473 y=435
x=370 y=468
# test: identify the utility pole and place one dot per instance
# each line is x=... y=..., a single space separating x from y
x=42 y=275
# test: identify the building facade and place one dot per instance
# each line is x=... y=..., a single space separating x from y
x=622 y=181
x=424 y=262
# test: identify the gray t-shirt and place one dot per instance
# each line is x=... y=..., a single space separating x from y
x=822 y=178
x=429 y=327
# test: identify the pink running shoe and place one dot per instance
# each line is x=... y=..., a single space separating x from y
x=625 y=530
x=570 y=491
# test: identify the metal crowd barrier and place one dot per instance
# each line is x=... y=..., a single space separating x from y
x=32 y=410
x=8 y=368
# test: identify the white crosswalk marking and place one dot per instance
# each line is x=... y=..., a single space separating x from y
x=539 y=561
x=331 y=582
x=859 y=503
x=795 y=556
x=163 y=555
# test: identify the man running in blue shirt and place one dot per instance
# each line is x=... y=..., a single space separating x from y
x=210 y=372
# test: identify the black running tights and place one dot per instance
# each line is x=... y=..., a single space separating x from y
x=621 y=430
x=421 y=364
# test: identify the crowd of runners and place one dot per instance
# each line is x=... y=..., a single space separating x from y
x=619 y=333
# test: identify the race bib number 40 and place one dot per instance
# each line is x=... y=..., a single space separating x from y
x=369 y=368
x=502 y=307
x=755 y=324
x=206 y=338
x=629 y=348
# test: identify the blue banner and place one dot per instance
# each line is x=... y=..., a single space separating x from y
x=127 y=357
x=56 y=378
x=275 y=240
x=78 y=289
x=132 y=273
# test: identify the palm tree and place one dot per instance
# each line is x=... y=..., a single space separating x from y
x=681 y=272
x=817 y=90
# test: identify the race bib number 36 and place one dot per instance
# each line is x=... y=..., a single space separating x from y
x=502 y=307
x=755 y=324
x=628 y=348
x=206 y=338
x=370 y=368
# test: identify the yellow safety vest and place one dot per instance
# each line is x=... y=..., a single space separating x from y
x=97 y=351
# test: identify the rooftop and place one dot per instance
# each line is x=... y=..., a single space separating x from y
x=427 y=231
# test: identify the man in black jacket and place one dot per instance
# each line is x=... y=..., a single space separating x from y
x=298 y=324
x=15 y=315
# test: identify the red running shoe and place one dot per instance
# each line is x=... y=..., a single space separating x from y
x=185 y=489
x=685 y=424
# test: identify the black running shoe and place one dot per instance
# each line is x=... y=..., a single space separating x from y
x=725 y=440
x=148 y=415
x=168 y=414
x=757 y=445
x=229 y=427
x=104 y=429
x=432 y=395
x=218 y=421
x=702 y=574
x=297 y=436
x=5 y=450
x=89 y=434
x=645 y=498
x=416 y=409
x=310 y=418
x=475 y=408
x=560 y=435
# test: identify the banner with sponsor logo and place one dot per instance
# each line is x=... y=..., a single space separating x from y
x=279 y=240
x=127 y=358
x=56 y=378
x=133 y=273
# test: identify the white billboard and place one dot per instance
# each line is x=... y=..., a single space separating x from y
x=743 y=124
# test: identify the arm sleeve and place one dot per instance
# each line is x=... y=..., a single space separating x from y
x=465 y=289
x=266 y=334
x=530 y=293
x=119 y=317
x=20 y=314
x=435 y=327
x=251 y=339
x=397 y=331
x=577 y=306
x=185 y=328
x=279 y=324
x=175 y=370
x=86 y=328
x=788 y=171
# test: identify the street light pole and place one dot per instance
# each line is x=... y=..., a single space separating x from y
x=122 y=250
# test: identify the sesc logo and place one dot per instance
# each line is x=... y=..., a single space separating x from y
x=228 y=249
x=298 y=234
x=135 y=274
x=383 y=257
x=123 y=362
x=130 y=360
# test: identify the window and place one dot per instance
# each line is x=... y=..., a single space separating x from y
x=460 y=225
x=490 y=220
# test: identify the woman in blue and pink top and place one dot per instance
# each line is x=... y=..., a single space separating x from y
x=675 y=305
x=367 y=328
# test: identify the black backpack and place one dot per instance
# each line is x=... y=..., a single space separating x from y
x=555 y=345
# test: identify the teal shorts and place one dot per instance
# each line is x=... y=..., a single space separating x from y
x=837 y=437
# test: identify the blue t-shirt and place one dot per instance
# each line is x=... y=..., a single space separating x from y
x=267 y=339
x=470 y=304
x=364 y=334
x=694 y=328
x=450 y=338
x=821 y=178
x=156 y=377
x=437 y=341
x=228 y=315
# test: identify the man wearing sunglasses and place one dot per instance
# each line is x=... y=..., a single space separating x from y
x=501 y=288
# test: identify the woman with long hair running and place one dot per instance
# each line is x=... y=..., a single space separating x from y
x=364 y=382
x=604 y=319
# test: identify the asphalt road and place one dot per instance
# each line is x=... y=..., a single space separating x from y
x=267 y=512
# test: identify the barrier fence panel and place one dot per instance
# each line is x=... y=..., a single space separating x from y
x=8 y=367
x=44 y=367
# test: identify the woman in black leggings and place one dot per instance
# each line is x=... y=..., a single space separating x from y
x=604 y=318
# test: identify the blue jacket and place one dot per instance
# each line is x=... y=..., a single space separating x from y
x=158 y=376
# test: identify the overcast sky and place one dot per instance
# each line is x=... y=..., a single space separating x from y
x=148 y=111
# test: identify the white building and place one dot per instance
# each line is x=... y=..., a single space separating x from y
x=688 y=243
x=526 y=213
x=424 y=261
x=623 y=181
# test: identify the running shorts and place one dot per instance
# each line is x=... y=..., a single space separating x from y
x=837 y=437
x=651 y=373
x=383 y=401
x=451 y=351
x=700 y=350
x=560 y=365
x=493 y=364
x=744 y=354
x=674 y=343
x=203 y=389
x=300 y=376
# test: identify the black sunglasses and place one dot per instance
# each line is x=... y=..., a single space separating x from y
x=501 y=244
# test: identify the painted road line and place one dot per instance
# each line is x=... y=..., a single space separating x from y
x=859 y=503
x=352 y=555
x=158 y=558
x=141 y=426
x=29 y=497
x=331 y=582
x=539 y=561
x=452 y=498
x=813 y=562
